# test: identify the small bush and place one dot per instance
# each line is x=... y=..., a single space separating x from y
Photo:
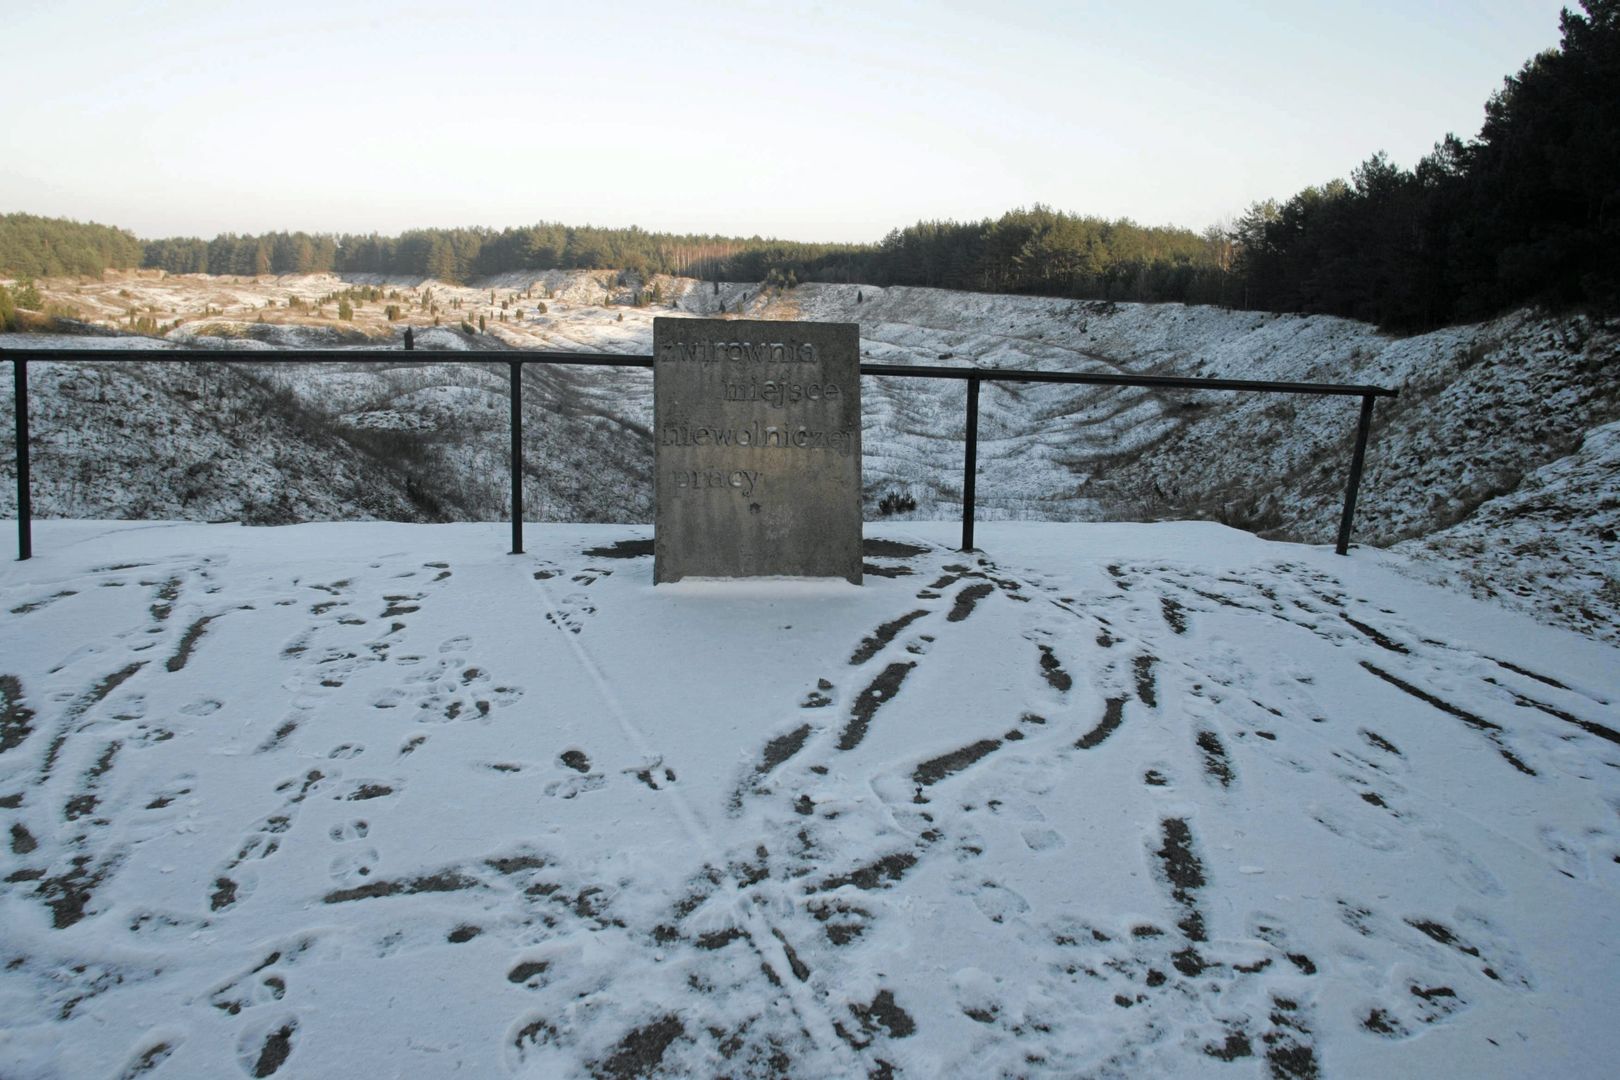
x=896 y=502
x=26 y=296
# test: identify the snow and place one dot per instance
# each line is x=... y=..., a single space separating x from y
x=1108 y=800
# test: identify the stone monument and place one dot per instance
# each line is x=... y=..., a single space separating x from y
x=758 y=433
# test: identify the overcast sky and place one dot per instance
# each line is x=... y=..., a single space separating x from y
x=808 y=121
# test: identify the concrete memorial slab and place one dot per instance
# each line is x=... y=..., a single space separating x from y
x=758 y=428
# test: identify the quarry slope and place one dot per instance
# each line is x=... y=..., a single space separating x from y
x=1482 y=408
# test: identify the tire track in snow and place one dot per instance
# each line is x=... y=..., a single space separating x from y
x=809 y=1008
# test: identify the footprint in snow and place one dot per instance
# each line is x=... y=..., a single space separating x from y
x=349 y=831
x=354 y=866
x=998 y=903
x=572 y=786
x=265 y=1048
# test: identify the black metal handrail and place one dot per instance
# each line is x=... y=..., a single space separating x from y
x=970 y=374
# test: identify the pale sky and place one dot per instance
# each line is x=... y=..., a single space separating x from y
x=802 y=120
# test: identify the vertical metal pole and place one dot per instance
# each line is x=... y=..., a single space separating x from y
x=970 y=464
x=1354 y=485
x=25 y=506
x=515 y=368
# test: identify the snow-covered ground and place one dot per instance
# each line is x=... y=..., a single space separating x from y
x=1105 y=800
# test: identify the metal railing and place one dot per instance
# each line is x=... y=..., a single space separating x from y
x=973 y=376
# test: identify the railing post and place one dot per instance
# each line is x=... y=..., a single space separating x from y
x=515 y=375
x=970 y=464
x=25 y=505
x=1354 y=485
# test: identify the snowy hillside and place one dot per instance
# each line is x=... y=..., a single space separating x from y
x=1107 y=800
x=1482 y=408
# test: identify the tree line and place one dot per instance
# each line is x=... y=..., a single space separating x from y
x=1037 y=250
x=1526 y=212
x=33 y=246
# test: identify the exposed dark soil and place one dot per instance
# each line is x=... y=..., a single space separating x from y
x=884 y=634
x=1478 y=723
x=103 y=688
x=1184 y=871
x=278 y=737
x=1052 y=670
x=1146 y=686
x=817 y=698
x=1591 y=727
x=1216 y=763
x=800 y=969
x=188 y=642
x=881 y=690
x=884 y=1011
x=641 y=1051
x=150 y=1058
x=876 y=875
x=781 y=748
x=936 y=769
x=67 y=895
x=443 y=881
x=1236 y=1046
x=16 y=719
x=224 y=894
x=967 y=598
x=527 y=970
x=515 y=864
x=576 y=760
x=1547 y=679
x=1381 y=1023
x=1376 y=637
x=30 y=608
x=1382 y=743
x=890 y=549
x=1175 y=616
x=718 y=939
x=22 y=841
x=1113 y=716
x=623 y=549
x=1289 y=1054
x=277 y=1045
